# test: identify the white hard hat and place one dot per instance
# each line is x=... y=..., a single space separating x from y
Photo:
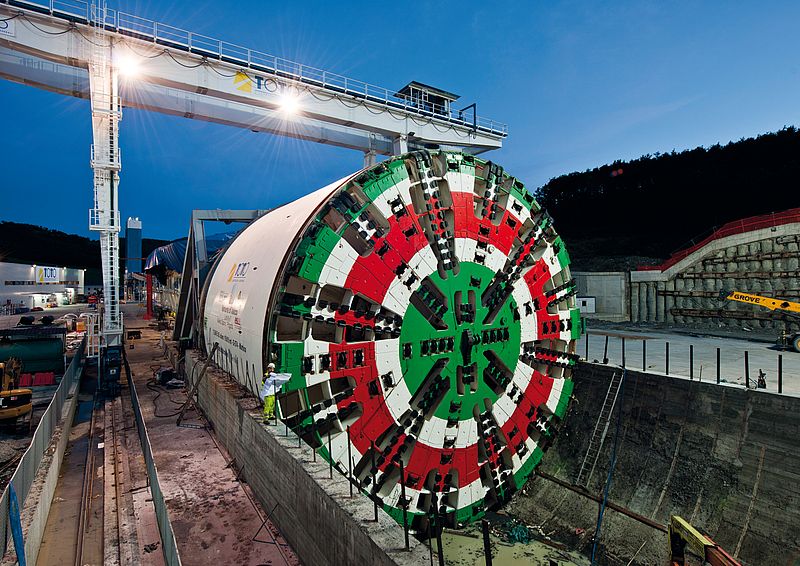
x=271 y=366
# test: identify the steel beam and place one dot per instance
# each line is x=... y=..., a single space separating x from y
x=179 y=78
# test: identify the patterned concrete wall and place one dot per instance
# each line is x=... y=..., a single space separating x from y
x=762 y=262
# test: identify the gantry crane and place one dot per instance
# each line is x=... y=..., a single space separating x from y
x=51 y=45
x=104 y=217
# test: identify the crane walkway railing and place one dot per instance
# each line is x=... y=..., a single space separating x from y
x=165 y=35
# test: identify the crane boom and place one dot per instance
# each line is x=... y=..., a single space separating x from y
x=766 y=302
x=683 y=534
x=787 y=339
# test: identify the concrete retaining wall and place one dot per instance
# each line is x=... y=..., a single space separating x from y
x=611 y=291
x=316 y=515
x=723 y=457
x=763 y=261
x=37 y=505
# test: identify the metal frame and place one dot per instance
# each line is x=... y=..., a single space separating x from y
x=106 y=164
x=195 y=263
x=177 y=38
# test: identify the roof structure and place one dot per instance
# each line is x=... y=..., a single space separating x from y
x=405 y=92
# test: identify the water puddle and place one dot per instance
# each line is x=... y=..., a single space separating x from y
x=465 y=548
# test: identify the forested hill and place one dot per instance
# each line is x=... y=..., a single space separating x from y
x=651 y=206
x=611 y=217
x=26 y=243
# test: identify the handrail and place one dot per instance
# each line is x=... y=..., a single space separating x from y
x=734 y=227
x=169 y=545
x=177 y=38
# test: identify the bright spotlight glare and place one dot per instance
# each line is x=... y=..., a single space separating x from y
x=128 y=66
x=289 y=103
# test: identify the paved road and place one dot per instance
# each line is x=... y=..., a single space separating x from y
x=762 y=355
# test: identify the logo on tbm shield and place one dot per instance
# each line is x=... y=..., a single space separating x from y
x=242 y=82
x=238 y=271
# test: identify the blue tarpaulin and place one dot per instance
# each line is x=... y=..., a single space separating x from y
x=171 y=256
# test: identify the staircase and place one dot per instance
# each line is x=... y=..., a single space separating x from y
x=600 y=430
x=106 y=163
x=92 y=334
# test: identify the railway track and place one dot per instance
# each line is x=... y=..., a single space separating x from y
x=98 y=539
x=86 y=511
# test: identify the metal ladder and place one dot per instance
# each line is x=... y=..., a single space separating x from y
x=600 y=430
x=106 y=163
x=92 y=334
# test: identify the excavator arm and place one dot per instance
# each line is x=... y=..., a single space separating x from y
x=682 y=534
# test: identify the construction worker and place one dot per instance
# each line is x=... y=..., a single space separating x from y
x=269 y=397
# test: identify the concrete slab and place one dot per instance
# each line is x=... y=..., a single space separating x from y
x=762 y=355
x=214 y=519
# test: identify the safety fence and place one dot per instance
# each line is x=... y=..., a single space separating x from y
x=29 y=463
x=760 y=368
x=169 y=546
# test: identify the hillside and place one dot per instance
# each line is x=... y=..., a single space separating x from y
x=27 y=243
x=640 y=211
x=612 y=217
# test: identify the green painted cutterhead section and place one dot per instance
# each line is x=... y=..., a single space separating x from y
x=436 y=327
x=463 y=344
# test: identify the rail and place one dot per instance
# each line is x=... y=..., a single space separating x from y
x=169 y=546
x=78 y=11
x=29 y=463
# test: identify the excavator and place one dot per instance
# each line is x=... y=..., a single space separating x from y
x=682 y=534
x=787 y=340
x=14 y=402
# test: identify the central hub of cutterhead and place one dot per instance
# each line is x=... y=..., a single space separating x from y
x=468 y=347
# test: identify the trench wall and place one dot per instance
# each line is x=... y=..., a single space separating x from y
x=721 y=456
x=317 y=517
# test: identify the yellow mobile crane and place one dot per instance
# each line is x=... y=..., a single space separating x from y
x=790 y=340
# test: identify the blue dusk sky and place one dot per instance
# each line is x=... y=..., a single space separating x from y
x=580 y=84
